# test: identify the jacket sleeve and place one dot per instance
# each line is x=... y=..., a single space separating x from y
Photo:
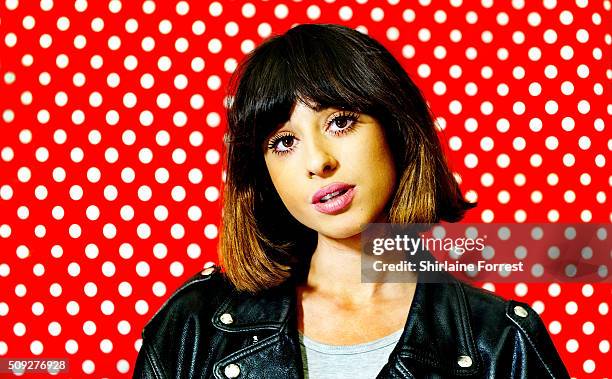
x=534 y=354
x=175 y=341
x=146 y=367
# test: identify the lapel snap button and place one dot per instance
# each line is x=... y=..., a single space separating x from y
x=232 y=370
x=520 y=311
x=464 y=361
x=226 y=318
x=208 y=271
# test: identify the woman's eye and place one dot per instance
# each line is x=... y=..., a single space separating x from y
x=282 y=144
x=286 y=142
x=342 y=123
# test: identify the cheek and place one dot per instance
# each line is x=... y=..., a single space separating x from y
x=284 y=181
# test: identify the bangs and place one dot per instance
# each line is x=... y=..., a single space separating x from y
x=305 y=66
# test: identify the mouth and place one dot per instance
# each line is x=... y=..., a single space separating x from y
x=333 y=198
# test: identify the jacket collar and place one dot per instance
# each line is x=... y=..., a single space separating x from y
x=437 y=335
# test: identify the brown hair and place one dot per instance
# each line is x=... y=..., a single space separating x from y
x=326 y=65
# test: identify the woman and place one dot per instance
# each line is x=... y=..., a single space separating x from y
x=327 y=133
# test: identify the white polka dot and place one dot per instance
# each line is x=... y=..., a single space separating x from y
x=161 y=213
x=147 y=44
x=145 y=193
x=571 y=307
x=127 y=212
x=538 y=306
x=588 y=366
x=72 y=307
x=36 y=347
x=569 y=196
x=23 y=213
x=585 y=179
x=4 y=268
x=106 y=346
x=583 y=71
x=88 y=367
x=146 y=118
x=176 y=269
x=345 y=13
x=571 y=345
x=164 y=63
x=159 y=289
x=487 y=179
x=123 y=366
x=131 y=25
x=108 y=269
x=182 y=8
x=584 y=143
x=143 y=269
x=55 y=289
x=281 y=11
x=165 y=26
x=554 y=290
x=61 y=99
x=163 y=100
x=92 y=212
x=124 y=327
x=89 y=328
x=57 y=251
x=554 y=327
x=74 y=269
x=212 y=157
x=213 y=82
x=313 y=12
x=148 y=6
x=38 y=308
x=19 y=329
x=54 y=328
x=71 y=346
x=194 y=213
x=91 y=251
x=215 y=9
x=210 y=231
x=107 y=307
x=181 y=45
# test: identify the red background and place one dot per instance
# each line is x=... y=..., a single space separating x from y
x=110 y=163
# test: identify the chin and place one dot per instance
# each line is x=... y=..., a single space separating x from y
x=341 y=230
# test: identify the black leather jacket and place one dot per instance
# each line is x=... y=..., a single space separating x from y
x=208 y=330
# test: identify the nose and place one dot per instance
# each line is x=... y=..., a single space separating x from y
x=319 y=158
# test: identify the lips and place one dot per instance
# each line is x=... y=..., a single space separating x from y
x=334 y=198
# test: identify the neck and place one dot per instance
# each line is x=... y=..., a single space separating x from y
x=335 y=271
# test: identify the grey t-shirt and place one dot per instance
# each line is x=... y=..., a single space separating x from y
x=361 y=361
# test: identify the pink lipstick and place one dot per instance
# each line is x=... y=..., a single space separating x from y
x=333 y=198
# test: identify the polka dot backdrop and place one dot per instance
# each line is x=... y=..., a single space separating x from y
x=111 y=156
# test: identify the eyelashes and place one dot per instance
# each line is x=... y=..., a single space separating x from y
x=338 y=124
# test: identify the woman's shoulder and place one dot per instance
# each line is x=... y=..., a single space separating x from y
x=491 y=311
x=512 y=326
x=197 y=298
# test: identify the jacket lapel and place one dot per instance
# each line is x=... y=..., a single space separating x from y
x=268 y=326
x=437 y=337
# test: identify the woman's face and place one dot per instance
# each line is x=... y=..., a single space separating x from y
x=332 y=169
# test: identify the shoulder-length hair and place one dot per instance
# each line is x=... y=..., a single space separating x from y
x=261 y=244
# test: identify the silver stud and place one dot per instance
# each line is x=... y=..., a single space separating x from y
x=464 y=361
x=255 y=339
x=226 y=318
x=208 y=271
x=232 y=370
x=520 y=311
